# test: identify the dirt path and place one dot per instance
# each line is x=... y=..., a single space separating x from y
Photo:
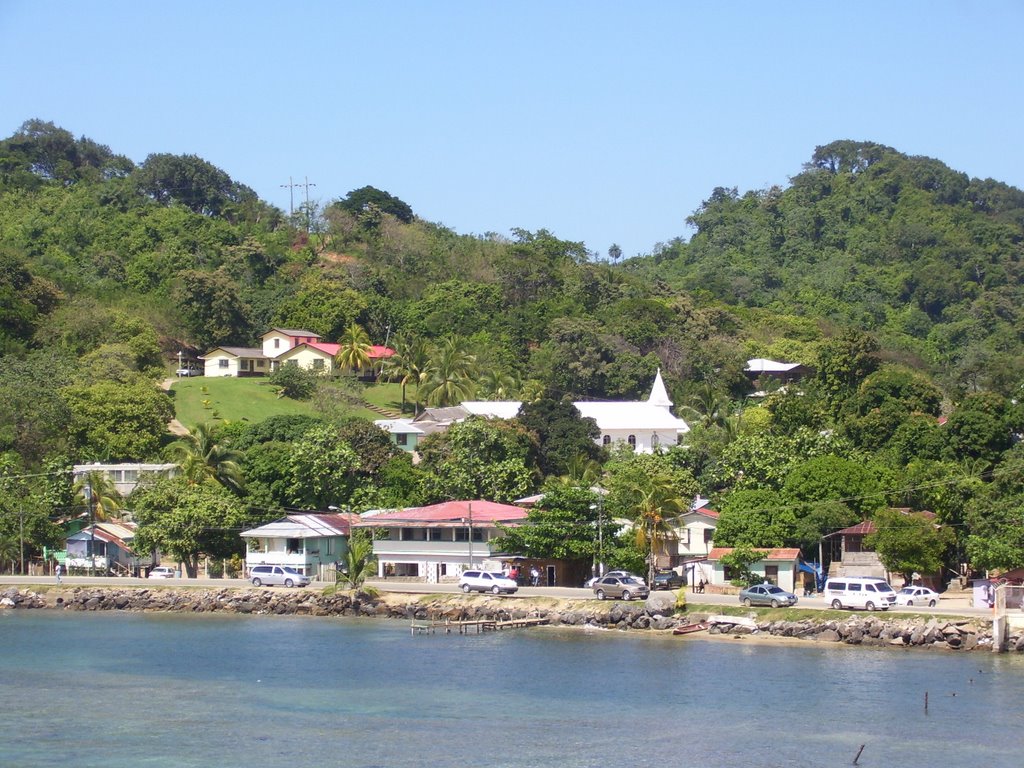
x=174 y=426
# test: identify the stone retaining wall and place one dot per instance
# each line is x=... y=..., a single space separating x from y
x=658 y=613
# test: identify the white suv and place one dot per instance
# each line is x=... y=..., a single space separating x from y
x=163 y=572
x=484 y=581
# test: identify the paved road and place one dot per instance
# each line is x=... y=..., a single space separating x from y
x=953 y=605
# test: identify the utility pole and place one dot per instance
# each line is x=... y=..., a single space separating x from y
x=21 y=536
x=307 y=185
x=291 y=195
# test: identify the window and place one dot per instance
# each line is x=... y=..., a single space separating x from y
x=293 y=546
x=771 y=572
x=708 y=534
x=328 y=546
x=655 y=440
x=277 y=343
x=401 y=438
x=460 y=534
x=261 y=363
x=222 y=363
x=632 y=441
x=318 y=364
x=606 y=440
x=131 y=476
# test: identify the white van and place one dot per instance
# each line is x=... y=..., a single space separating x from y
x=866 y=592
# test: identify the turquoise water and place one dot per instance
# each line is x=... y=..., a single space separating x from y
x=165 y=690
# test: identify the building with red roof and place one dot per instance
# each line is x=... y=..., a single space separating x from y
x=778 y=565
x=436 y=543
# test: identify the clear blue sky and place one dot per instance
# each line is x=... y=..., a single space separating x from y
x=606 y=122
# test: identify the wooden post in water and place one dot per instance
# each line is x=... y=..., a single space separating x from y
x=858 y=754
x=926 y=701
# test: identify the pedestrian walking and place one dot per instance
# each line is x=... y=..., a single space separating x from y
x=534 y=576
x=57 y=571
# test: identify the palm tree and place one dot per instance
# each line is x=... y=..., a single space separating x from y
x=656 y=508
x=581 y=472
x=495 y=384
x=99 y=495
x=358 y=560
x=355 y=348
x=203 y=459
x=409 y=364
x=449 y=377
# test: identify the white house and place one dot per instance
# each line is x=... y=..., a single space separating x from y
x=125 y=476
x=693 y=542
x=779 y=566
x=308 y=543
x=436 y=543
x=645 y=425
x=279 y=347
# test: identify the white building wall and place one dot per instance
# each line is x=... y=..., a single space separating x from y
x=213 y=366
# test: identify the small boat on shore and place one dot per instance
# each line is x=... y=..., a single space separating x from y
x=686 y=629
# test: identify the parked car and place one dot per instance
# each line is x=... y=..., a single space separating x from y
x=188 y=372
x=767 y=594
x=667 y=580
x=485 y=581
x=277 y=575
x=625 y=587
x=868 y=592
x=591 y=582
x=163 y=572
x=917 y=596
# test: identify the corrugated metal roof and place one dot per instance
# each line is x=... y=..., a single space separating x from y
x=483 y=513
x=780 y=553
x=302 y=526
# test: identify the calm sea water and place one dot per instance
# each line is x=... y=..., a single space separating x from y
x=163 y=690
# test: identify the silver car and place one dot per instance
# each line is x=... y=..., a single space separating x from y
x=277 y=575
x=625 y=587
x=767 y=594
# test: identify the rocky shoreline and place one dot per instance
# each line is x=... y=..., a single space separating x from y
x=657 y=614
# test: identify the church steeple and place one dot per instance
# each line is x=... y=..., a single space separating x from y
x=659 y=396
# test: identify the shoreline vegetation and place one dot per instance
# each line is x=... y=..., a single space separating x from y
x=658 y=614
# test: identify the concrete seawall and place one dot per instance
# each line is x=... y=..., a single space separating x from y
x=657 y=614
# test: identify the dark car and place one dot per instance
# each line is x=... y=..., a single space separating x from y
x=767 y=594
x=667 y=580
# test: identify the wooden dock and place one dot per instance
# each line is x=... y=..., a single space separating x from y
x=475 y=626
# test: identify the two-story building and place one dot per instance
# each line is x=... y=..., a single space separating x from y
x=282 y=346
x=436 y=543
x=310 y=543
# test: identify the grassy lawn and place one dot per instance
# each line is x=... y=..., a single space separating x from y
x=388 y=395
x=251 y=400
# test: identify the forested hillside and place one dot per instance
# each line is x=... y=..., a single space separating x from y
x=895 y=279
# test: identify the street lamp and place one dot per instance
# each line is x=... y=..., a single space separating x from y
x=179 y=361
x=600 y=537
x=469 y=532
x=92 y=529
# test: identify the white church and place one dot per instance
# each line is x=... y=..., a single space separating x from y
x=645 y=425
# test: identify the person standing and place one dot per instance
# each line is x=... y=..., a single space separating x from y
x=57 y=572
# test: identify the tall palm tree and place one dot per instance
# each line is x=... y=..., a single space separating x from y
x=355 y=348
x=656 y=508
x=449 y=377
x=103 y=501
x=581 y=472
x=203 y=459
x=409 y=364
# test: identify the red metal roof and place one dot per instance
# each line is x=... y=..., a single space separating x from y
x=860 y=529
x=377 y=351
x=779 y=553
x=482 y=513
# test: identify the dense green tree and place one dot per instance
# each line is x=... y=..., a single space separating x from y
x=563 y=435
x=294 y=381
x=187 y=520
x=563 y=525
x=832 y=478
x=113 y=422
x=323 y=469
x=359 y=201
x=212 y=308
x=979 y=428
x=190 y=181
x=909 y=543
x=756 y=518
x=479 y=459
